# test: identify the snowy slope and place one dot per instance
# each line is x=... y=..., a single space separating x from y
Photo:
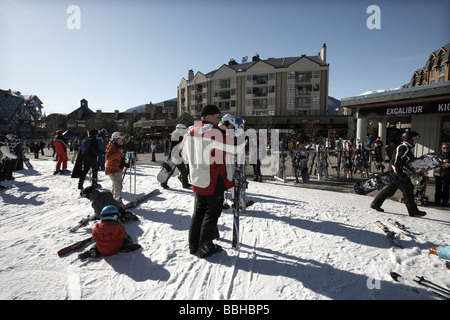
x=297 y=243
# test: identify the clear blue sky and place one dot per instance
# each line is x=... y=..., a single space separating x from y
x=128 y=53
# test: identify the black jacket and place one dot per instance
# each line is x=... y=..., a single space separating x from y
x=403 y=155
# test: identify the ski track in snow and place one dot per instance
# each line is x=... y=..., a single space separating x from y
x=296 y=243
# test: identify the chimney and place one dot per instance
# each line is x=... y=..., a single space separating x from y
x=190 y=75
x=323 y=53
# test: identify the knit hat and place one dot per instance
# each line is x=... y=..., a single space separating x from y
x=210 y=109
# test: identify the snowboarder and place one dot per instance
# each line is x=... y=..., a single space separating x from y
x=442 y=176
x=102 y=198
x=399 y=164
x=115 y=162
x=61 y=151
x=176 y=137
x=210 y=177
x=110 y=236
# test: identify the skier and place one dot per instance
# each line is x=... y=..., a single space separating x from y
x=176 y=137
x=210 y=177
x=5 y=157
x=399 y=164
x=442 y=176
x=110 y=236
x=61 y=151
x=89 y=148
x=102 y=198
x=115 y=162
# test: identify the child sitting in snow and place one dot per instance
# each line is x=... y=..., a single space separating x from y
x=110 y=236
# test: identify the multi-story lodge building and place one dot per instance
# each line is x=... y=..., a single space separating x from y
x=282 y=93
x=436 y=68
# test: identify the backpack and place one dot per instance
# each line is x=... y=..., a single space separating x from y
x=85 y=146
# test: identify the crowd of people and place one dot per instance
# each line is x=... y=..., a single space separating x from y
x=209 y=180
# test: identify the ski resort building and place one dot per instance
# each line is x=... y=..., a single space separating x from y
x=422 y=105
x=425 y=109
x=282 y=93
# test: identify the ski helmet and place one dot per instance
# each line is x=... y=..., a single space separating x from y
x=116 y=135
x=409 y=136
x=109 y=213
x=180 y=126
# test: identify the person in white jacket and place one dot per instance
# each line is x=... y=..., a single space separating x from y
x=6 y=156
x=209 y=154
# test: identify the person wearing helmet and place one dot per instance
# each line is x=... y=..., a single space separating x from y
x=399 y=163
x=115 y=161
x=109 y=236
x=175 y=146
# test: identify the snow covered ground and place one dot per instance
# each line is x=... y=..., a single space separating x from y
x=297 y=243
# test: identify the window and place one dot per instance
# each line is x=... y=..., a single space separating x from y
x=433 y=72
x=248 y=78
x=303 y=103
x=271 y=76
x=442 y=70
x=315 y=100
x=316 y=73
x=291 y=75
x=290 y=88
x=248 y=90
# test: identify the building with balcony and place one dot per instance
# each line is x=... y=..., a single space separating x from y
x=436 y=68
x=283 y=93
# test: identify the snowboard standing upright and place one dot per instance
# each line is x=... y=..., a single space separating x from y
x=424 y=163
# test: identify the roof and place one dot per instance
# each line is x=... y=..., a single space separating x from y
x=9 y=105
x=274 y=62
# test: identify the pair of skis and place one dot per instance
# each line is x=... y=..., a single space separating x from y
x=240 y=183
x=391 y=235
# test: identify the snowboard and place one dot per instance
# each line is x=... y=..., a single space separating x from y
x=424 y=163
x=167 y=170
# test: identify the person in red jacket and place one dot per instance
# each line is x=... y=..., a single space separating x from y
x=211 y=169
x=114 y=164
x=61 y=151
x=109 y=236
